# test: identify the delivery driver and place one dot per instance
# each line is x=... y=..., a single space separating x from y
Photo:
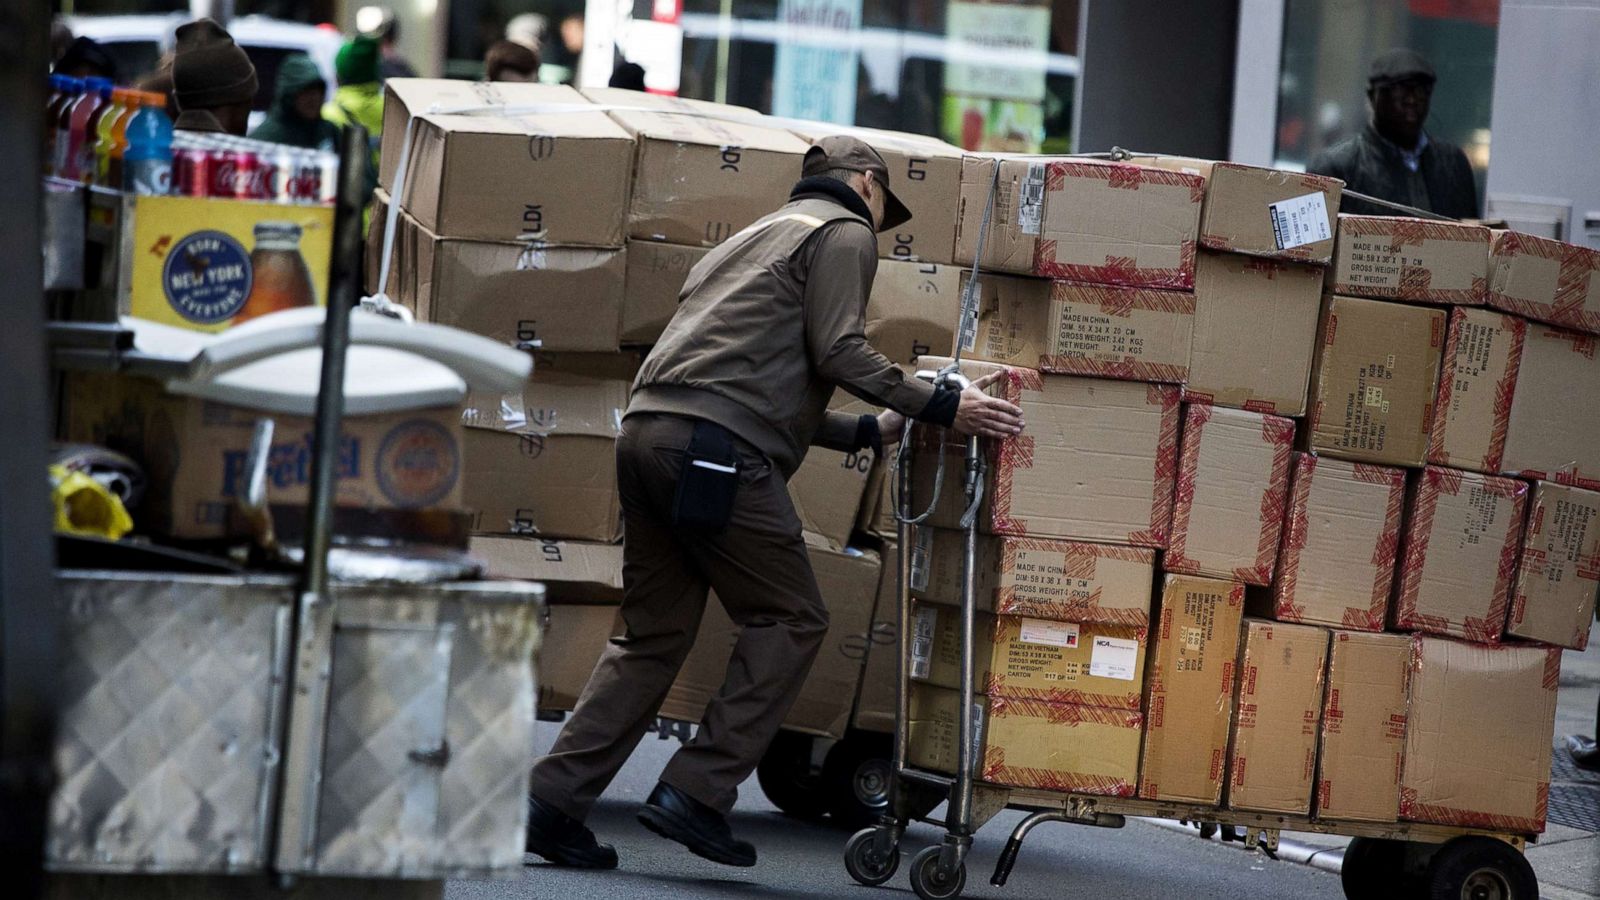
x=769 y=323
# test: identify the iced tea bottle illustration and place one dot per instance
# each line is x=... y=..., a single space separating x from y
x=282 y=280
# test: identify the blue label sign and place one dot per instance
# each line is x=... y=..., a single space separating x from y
x=207 y=277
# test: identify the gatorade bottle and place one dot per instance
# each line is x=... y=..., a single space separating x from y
x=58 y=88
x=117 y=141
x=71 y=92
x=96 y=93
x=99 y=128
x=147 y=163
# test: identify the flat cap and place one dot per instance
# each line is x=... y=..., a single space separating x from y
x=1399 y=64
x=844 y=152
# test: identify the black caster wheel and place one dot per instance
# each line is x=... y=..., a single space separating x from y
x=857 y=778
x=925 y=880
x=1375 y=869
x=1480 y=868
x=864 y=863
x=789 y=778
x=1208 y=830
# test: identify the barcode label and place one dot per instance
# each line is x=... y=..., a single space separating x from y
x=923 y=625
x=1114 y=658
x=1300 y=221
x=920 y=551
x=1030 y=200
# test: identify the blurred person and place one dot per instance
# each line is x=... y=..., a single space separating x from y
x=295 y=117
x=60 y=40
x=628 y=76
x=83 y=58
x=563 y=51
x=213 y=80
x=160 y=82
x=1394 y=158
x=722 y=413
x=529 y=30
x=392 y=63
x=511 y=61
x=359 y=97
x=1586 y=750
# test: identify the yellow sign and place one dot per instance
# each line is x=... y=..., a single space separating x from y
x=208 y=264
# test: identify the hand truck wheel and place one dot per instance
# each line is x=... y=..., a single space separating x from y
x=1480 y=868
x=926 y=880
x=1376 y=867
x=863 y=861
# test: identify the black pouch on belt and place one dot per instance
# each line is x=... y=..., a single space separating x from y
x=709 y=480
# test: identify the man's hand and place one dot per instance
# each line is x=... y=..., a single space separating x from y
x=985 y=416
x=890 y=426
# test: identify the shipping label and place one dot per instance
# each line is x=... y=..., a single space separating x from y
x=923 y=626
x=1114 y=658
x=921 y=558
x=1030 y=203
x=1052 y=634
x=1300 y=221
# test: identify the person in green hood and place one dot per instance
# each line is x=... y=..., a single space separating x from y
x=296 y=114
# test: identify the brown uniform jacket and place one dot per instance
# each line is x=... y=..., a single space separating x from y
x=771 y=321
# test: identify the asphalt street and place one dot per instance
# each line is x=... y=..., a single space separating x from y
x=804 y=860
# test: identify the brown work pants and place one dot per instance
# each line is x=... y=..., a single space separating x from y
x=759 y=568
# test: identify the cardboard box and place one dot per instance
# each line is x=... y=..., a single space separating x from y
x=1255 y=321
x=1189 y=690
x=1478 y=735
x=1462 y=537
x=1341 y=544
x=697 y=181
x=1262 y=212
x=1363 y=739
x=849 y=583
x=1068 y=581
x=912 y=310
x=925 y=174
x=574 y=638
x=194 y=454
x=1558 y=575
x=1420 y=260
x=544 y=463
x=194 y=262
x=611 y=98
x=655 y=276
x=1096 y=463
x=1273 y=753
x=1374 y=381
x=1482 y=354
x=510 y=291
x=1082 y=220
x=559 y=176
x=1544 y=438
x=827 y=491
x=1067 y=328
x=1031 y=743
x=1545 y=280
x=572 y=572
x=1233 y=486
x=877 y=705
x=1032 y=659
x=877 y=516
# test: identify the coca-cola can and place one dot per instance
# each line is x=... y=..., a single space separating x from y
x=247 y=175
x=328 y=178
x=191 y=172
x=224 y=172
x=282 y=187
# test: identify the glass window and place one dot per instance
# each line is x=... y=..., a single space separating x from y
x=1328 y=43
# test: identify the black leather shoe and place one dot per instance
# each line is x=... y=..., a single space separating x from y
x=679 y=817
x=564 y=840
x=1585 y=752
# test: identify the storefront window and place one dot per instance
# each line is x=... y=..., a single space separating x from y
x=1327 y=44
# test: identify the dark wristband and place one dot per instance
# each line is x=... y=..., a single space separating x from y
x=941 y=408
x=868 y=435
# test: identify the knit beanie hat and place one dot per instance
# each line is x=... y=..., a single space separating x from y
x=208 y=69
x=357 y=62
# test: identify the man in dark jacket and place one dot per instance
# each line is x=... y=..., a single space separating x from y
x=1394 y=158
x=296 y=114
x=722 y=413
x=213 y=80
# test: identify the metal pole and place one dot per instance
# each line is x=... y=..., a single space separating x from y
x=28 y=626
x=961 y=804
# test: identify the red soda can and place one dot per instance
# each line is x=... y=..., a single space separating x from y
x=282 y=188
x=191 y=172
x=246 y=175
x=224 y=172
x=263 y=181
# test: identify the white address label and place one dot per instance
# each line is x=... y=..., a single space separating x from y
x=1053 y=634
x=1300 y=220
x=1030 y=200
x=1114 y=658
x=921 y=559
x=922 y=628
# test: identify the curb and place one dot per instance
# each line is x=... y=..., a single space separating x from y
x=1327 y=859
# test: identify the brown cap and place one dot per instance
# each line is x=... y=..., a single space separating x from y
x=842 y=152
x=208 y=69
x=1399 y=64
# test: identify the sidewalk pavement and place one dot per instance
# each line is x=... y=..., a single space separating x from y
x=1567 y=860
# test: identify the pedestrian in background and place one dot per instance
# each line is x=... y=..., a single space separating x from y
x=391 y=63
x=359 y=97
x=213 y=80
x=510 y=61
x=722 y=414
x=1394 y=158
x=295 y=117
x=85 y=58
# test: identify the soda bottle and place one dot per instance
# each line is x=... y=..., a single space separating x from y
x=147 y=163
x=96 y=94
x=52 y=111
x=281 y=279
x=97 y=145
x=72 y=91
x=117 y=140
